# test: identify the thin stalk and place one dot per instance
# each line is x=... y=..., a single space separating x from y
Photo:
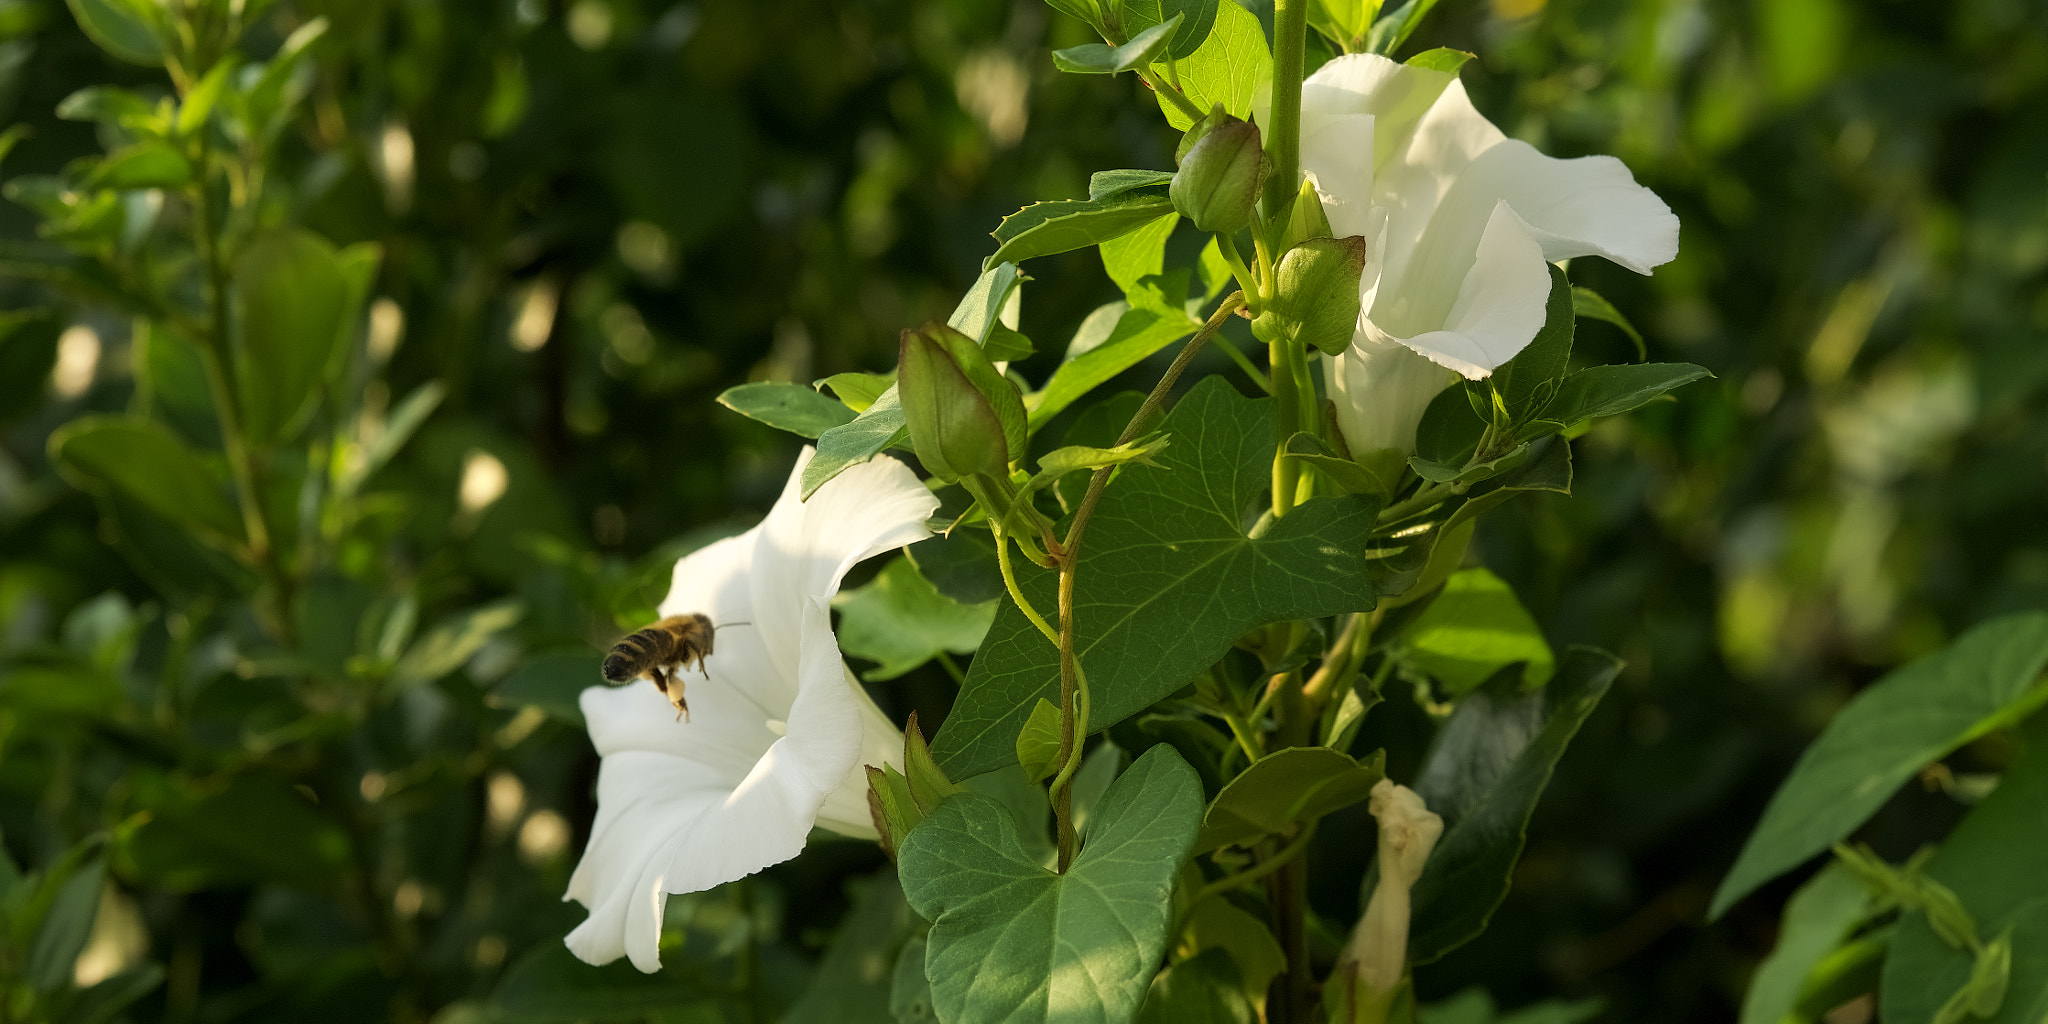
x=1173 y=95
x=1017 y=595
x=1247 y=281
x=1337 y=665
x=1285 y=856
x=1244 y=362
x=1424 y=499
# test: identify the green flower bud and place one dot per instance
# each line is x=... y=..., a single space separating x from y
x=1219 y=178
x=963 y=416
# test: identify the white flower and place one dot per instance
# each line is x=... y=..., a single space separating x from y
x=777 y=734
x=1459 y=221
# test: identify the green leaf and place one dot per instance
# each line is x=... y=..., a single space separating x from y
x=793 y=407
x=447 y=646
x=853 y=981
x=910 y=993
x=1343 y=22
x=119 y=30
x=109 y=104
x=1137 y=334
x=550 y=986
x=1310 y=450
x=1598 y=391
x=1450 y=429
x=252 y=829
x=961 y=565
x=1475 y=1006
x=1992 y=862
x=1005 y=345
x=1198 y=19
x=144 y=165
x=1014 y=942
x=1132 y=257
x=1911 y=718
x=198 y=104
x=1442 y=59
x=135 y=457
x=1168 y=580
x=1394 y=28
x=1204 y=989
x=290 y=305
x=1038 y=743
x=1217 y=923
x=1317 y=298
x=1484 y=774
x=858 y=390
x=1064 y=225
x=104 y=1001
x=1591 y=305
x=1080 y=458
x=1284 y=790
x=1103 y=59
x=1527 y=381
x=1228 y=68
x=65 y=927
x=1819 y=916
x=1474 y=629
x=1104 y=184
x=881 y=424
x=899 y=621
x=552 y=682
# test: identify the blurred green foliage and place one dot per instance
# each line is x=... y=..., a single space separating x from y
x=352 y=788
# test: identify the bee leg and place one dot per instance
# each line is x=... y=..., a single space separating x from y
x=660 y=680
x=682 y=706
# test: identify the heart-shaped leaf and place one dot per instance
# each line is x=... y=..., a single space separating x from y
x=1014 y=942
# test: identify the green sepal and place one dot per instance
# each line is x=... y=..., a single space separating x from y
x=890 y=804
x=1305 y=219
x=927 y=784
x=1316 y=298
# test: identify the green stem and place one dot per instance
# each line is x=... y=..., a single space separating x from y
x=1247 y=282
x=1283 y=141
x=1175 y=96
x=1017 y=595
x=1286 y=421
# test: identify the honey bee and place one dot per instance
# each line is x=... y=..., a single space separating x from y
x=662 y=651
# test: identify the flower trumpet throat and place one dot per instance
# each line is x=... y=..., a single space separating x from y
x=1377 y=954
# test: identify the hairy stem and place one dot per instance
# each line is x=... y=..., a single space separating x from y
x=1173 y=95
x=1016 y=594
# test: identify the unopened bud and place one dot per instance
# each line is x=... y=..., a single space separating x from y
x=1219 y=177
x=964 y=417
x=1315 y=300
x=1376 y=956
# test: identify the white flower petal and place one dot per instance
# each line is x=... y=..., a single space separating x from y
x=1396 y=95
x=1590 y=206
x=1499 y=304
x=1412 y=181
x=1380 y=388
x=804 y=548
x=1337 y=149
